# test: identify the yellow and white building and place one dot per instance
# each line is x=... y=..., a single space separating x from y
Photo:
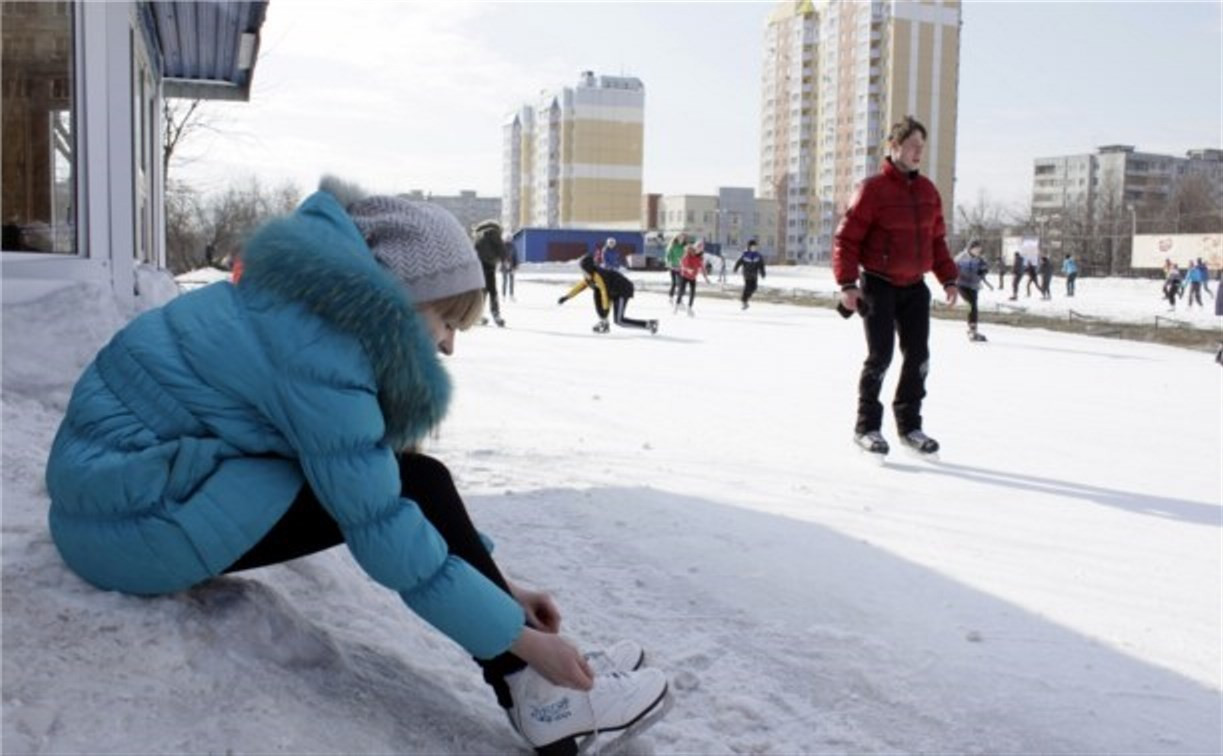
x=573 y=159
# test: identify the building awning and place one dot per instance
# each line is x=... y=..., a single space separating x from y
x=208 y=48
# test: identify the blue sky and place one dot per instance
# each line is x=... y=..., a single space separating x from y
x=405 y=95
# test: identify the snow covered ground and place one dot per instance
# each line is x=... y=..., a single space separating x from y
x=1052 y=585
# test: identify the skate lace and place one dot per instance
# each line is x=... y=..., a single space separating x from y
x=617 y=678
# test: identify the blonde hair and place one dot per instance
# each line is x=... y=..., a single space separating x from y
x=461 y=310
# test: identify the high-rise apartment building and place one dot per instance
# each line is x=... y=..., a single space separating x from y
x=574 y=158
x=836 y=76
x=787 y=127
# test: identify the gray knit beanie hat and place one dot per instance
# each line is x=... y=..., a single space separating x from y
x=420 y=243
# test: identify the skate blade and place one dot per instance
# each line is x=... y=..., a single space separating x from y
x=611 y=742
x=878 y=457
x=919 y=454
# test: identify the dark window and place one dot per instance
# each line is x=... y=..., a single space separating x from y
x=38 y=207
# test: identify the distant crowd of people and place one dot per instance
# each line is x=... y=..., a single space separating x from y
x=1188 y=284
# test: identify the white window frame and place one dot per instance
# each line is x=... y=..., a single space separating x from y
x=103 y=35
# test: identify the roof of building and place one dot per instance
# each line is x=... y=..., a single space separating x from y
x=208 y=49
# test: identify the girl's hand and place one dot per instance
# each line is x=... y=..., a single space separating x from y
x=554 y=657
x=541 y=611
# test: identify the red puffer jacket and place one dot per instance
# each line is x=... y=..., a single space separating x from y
x=691 y=264
x=893 y=229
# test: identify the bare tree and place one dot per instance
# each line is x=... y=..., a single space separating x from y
x=183 y=120
x=211 y=231
x=1191 y=208
x=983 y=221
x=229 y=218
x=185 y=245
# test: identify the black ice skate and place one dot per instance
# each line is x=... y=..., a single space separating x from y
x=872 y=442
x=653 y=324
x=919 y=442
x=974 y=336
x=601 y=327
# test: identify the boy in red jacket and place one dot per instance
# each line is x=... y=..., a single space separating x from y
x=892 y=235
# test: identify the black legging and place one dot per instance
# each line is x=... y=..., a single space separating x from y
x=676 y=281
x=690 y=285
x=618 y=305
x=307 y=528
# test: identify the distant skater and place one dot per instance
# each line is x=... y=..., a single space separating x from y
x=509 y=266
x=752 y=264
x=1046 y=277
x=675 y=254
x=1071 y=269
x=1172 y=286
x=1195 y=276
x=491 y=251
x=690 y=265
x=973 y=270
x=1029 y=269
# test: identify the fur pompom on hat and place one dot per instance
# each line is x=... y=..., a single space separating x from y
x=420 y=243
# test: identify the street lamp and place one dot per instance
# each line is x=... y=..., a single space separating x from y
x=1133 y=229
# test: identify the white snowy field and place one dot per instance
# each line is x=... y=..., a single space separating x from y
x=1052 y=585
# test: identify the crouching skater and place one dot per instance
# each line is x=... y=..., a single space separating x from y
x=611 y=291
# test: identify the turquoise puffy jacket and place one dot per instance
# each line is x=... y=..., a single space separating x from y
x=192 y=431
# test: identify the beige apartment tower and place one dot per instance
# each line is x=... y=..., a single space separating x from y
x=836 y=76
x=574 y=158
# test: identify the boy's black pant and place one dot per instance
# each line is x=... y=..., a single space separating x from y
x=307 y=528
x=676 y=281
x=903 y=311
x=970 y=296
x=749 y=288
x=1070 y=278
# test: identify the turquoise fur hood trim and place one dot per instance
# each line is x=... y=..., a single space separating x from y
x=317 y=257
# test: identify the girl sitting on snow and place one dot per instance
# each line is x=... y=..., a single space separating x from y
x=247 y=424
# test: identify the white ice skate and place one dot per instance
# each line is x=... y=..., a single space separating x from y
x=558 y=720
x=621 y=656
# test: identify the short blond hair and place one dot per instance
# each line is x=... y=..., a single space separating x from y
x=460 y=310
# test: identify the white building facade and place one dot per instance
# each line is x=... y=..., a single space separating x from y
x=730 y=218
